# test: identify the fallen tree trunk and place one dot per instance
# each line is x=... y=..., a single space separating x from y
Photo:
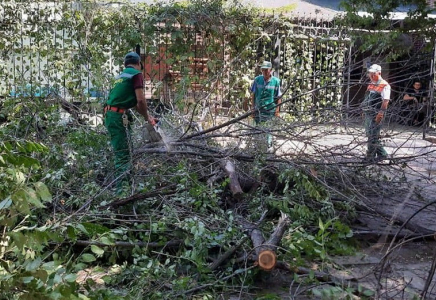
x=73 y=108
x=234 y=185
x=277 y=235
x=265 y=258
x=399 y=218
x=265 y=251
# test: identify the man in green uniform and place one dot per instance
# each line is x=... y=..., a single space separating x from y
x=374 y=107
x=127 y=92
x=266 y=96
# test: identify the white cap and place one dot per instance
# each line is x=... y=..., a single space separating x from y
x=374 y=68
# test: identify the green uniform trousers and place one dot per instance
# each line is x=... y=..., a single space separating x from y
x=121 y=143
x=260 y=119
x=372 y=129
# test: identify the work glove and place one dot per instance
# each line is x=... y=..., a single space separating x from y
x=151 y=120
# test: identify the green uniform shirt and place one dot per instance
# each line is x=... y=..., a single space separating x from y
x=265 y=94
x=122 y=94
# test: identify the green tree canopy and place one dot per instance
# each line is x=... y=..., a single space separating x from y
x=382 y=25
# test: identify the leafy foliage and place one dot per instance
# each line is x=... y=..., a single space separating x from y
x=26 y=272
x=380 y=31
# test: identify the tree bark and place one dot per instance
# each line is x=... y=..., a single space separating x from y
x=401 y=219
x=277 y=235
x=235 y=187
x=266 y=257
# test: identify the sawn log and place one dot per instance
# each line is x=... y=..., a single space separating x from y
x=265 y=251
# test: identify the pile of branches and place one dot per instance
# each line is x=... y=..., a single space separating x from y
x=222 y=193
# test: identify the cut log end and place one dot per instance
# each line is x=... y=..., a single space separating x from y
x=267 y=260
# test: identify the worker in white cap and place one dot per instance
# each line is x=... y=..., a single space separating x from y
x=374 y=106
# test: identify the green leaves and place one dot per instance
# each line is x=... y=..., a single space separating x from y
x=42 y=192
x=19 y=239
x=19 y=188
x=32 y=265
x=381 y=31
x=86 y=44
x=97 y=250
x=24 y=161
x=24 y=241
x=87 y=257
x=16 y=153
x=25 y=197
x=93 y=229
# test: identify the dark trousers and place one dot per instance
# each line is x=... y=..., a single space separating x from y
x=374 y=145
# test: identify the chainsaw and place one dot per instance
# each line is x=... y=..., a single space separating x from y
x=151 y=134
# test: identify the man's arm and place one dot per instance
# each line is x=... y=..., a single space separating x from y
x=380 y=115
x=386 y=95
x=384 y=105
x=408 y=97
x=141 y=107
x=278 y=102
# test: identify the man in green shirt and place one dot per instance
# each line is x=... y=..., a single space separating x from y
x=266 y=96
x=126 y=93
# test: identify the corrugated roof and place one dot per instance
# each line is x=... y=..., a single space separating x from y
x=314 y=8
x=298 y=8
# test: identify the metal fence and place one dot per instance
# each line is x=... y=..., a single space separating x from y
x=312 y=56
x=42 y=54
x=45 y=57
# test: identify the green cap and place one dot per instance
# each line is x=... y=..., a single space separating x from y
x=131 y=58
x=266 y=65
